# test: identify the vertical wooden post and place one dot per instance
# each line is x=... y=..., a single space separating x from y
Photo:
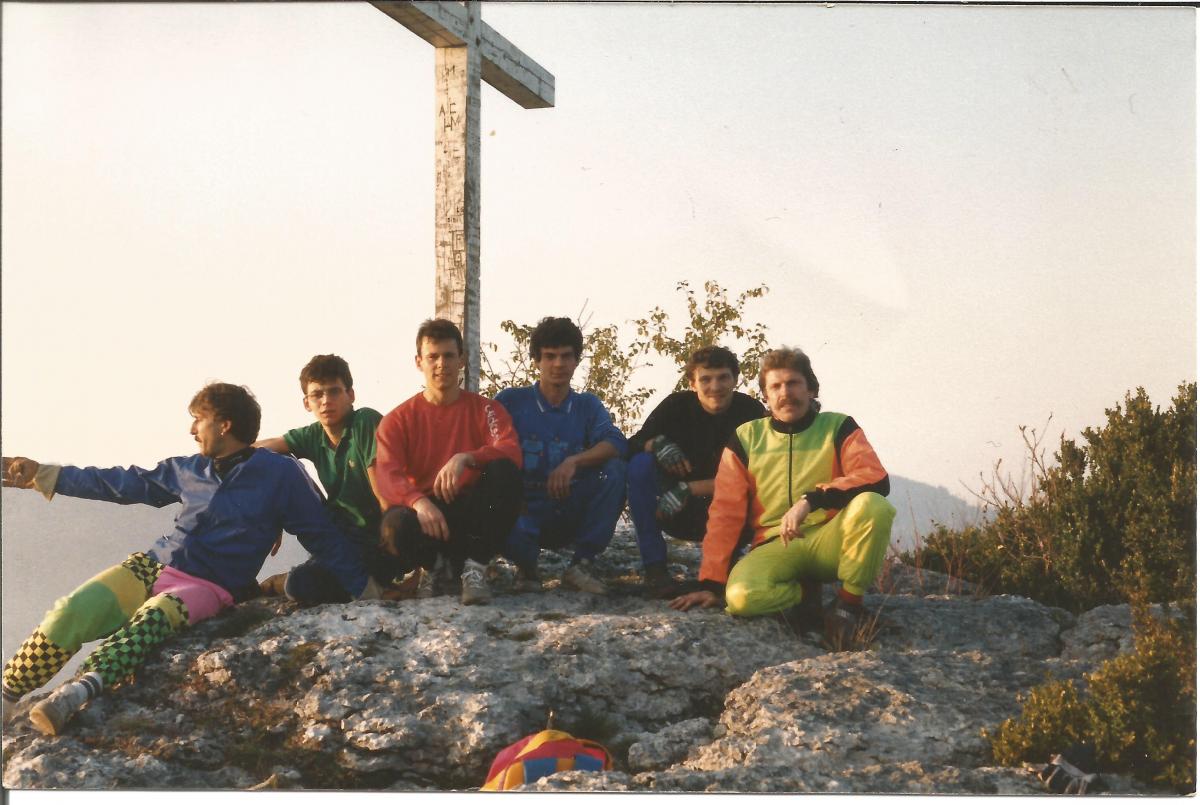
x=456 y=211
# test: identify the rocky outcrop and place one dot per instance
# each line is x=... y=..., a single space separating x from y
x=420 y=695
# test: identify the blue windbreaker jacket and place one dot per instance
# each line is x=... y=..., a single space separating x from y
x=227 y=526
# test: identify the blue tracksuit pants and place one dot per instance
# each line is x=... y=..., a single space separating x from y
x=645 y=485
x=586 y=517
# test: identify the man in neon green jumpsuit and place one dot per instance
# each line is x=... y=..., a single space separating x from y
x=812 y=489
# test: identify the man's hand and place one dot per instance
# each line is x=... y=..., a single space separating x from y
x=701 y=598
x=19 y=472
x=671 y=502
x=670 y=456
x=278 y=542
x=433 y=522
x=445 y=485
x=558 y=482
x=792 y=526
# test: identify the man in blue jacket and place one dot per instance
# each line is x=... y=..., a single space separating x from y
x=573 y=470
x=235 y=498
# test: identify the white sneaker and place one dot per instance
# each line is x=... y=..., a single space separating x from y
x=51 y=714
x=581 y=576
x=474 y=586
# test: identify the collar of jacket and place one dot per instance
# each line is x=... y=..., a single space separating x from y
x=794 y=427
x=224 y=464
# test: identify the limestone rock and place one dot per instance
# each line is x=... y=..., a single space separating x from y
x=421 y=695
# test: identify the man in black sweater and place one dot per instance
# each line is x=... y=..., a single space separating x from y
x=674 y=457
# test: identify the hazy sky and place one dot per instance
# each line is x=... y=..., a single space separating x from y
x=970 y=217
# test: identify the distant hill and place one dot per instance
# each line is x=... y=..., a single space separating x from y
x=50 y=548
x=920 y=506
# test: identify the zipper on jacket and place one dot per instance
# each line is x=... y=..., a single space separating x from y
x=789 y=469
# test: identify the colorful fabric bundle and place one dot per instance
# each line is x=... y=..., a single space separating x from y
x=542 y=754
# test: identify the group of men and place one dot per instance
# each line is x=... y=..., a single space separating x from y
x=783 y=498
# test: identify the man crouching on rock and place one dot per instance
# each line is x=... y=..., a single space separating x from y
x=813 y=490
x=235 y=501
x=448 y=464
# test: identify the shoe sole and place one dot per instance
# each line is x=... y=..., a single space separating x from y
x=42 y=722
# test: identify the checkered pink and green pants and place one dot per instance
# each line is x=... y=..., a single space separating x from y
x=136 y=604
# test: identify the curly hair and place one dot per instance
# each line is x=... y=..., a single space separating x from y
x=232 y=403
x=788 y=358
x=555 y=332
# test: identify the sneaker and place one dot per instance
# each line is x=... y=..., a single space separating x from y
x=424 y=583
x=474 y=585
x=658 y=583
x=528 y=580
x=843 y=625
x=581 y=576
x=51 y=714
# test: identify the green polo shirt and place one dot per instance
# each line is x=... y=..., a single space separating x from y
x=343 y=469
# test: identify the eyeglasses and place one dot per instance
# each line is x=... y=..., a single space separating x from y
x=332 y=393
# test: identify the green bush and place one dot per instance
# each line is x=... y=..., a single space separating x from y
x=1138 y=710
x=1111 y=517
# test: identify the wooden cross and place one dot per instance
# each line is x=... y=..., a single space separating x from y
x=467 y=49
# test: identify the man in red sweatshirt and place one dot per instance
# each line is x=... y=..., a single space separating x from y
x=448 y=465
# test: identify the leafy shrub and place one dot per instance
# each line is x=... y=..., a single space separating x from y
x=1138 y=710
x=1113 y=516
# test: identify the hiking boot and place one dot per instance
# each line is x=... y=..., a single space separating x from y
x=581 y=576
x=273 y=585
x=474 y=586
x=843 y=625
x=658 y=583
x=528 y=580
x=51 y=714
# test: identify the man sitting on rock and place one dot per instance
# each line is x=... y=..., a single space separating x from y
x=674 y=459
x=341 y=445
x=448 y=466
x=812 y=488
x=573 y=472
x=236 y=499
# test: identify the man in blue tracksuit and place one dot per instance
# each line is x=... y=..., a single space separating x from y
x=236 y=499
x=573 y=470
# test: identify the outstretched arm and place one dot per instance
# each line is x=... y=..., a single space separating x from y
x=156 y=487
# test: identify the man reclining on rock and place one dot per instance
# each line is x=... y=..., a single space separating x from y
x=674 y=459
x=236 y=499
x=813 y=489
x=572 y=464
x=341 y=445
x=448 y=467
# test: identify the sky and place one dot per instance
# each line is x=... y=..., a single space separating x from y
x=972 y=218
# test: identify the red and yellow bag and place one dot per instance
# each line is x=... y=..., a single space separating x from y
x=542 y=754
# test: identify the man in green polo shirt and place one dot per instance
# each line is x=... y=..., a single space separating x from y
x=341 y=444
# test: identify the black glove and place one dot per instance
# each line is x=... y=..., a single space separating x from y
x=669 y=455
x=671 y=502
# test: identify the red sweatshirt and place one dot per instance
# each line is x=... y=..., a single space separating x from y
x=417 y=438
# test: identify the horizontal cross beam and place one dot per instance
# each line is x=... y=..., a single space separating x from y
x=505 y=67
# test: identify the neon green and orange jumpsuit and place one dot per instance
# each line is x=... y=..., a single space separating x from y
x=769 y=466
